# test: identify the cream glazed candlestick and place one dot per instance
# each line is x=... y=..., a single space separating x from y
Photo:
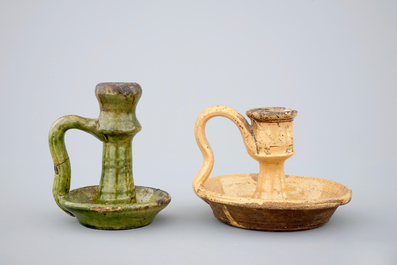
x=269 y=200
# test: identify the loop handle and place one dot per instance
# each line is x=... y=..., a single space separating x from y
x=203 y=144
x=59 y=154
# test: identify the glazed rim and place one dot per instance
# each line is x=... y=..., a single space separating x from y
x=273 y=114
x=116 y=207
x=278 y=204
x=112 y=88
x=115 y=84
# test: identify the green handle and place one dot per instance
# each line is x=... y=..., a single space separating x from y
x=59 y=154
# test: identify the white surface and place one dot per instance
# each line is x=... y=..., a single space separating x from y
x=333 y=61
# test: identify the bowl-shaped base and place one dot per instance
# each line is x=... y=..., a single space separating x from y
x=82 y=204
x=310 y=203
x=271 y=219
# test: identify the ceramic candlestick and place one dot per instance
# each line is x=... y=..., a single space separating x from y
x=116 y=203
x=269 y=200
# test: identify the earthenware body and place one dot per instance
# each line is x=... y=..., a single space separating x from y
x=268 y=200
x=115 y=203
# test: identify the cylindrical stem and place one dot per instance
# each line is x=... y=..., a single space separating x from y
x=271 y=180
x=117 y=183
x=118 y=122
x=274 y=137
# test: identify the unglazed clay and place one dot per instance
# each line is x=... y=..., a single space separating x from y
x=116 y=203
x=269 y=200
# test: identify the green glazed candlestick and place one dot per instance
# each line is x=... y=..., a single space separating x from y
x=116 y=203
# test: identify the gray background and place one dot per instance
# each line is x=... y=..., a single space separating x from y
x=333 y=61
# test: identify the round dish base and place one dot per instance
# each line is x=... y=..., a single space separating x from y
x=82 y=204
x=310 y=202
x=271 y=219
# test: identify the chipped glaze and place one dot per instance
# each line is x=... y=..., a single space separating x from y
x=268 y=200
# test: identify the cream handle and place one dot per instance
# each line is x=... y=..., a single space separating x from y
x=206 y=150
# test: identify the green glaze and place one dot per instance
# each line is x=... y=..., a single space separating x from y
x=115 y=203
x=117 y=184
x=82 y=203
